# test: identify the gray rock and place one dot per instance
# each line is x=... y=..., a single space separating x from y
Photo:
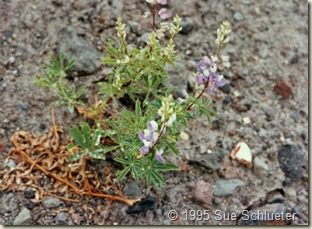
x=51 y=202
x=203 y=192
x=88 y=59
x=260 y=167
x=211 y=161
x=291 y=160
x=61 y=218
x=23 y=106
x=238 y=16
x=262 y=133
x=268 y=110
x=132 y=190
x=225 y=88
x=145 y=37
x=187 y=25
x=227 y=187
x=23 y=218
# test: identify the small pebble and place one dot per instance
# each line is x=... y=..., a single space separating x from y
x=42 y=126
x=236 y=93
x=246 y=120
x=23 y=106
x=12 y=59
x=11 y=163
x=184 y=136
x=238 y=16
x=14 y=118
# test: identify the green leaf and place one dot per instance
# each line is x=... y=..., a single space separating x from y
x=77 y=136
x=157 y=178
x=138 y=111
x=75 y=157
x=149 y=178
x=123 y=173
x=172 y=148
x=86 y=131
x=122 y=161
x=166 y=167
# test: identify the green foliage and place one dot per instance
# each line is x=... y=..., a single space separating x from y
x=88 y=141
x=54 y=74
x=146 y=135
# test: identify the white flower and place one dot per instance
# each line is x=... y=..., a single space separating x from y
x=171 y=119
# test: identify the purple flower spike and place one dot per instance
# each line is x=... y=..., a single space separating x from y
x=152 y=126
x=163 y=2
x=163 y=13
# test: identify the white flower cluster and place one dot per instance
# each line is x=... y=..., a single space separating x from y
x=222 y=33
x=121 y=32
x=166 y=111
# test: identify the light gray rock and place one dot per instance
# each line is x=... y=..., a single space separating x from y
x=238 y=16
x=11 y=163
x=51 y=202
x=260 y=167
x=88 y=59
x=227 y=187
x=23 y=218
x=132 y=190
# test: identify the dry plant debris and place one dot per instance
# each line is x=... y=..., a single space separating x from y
x=45 y=158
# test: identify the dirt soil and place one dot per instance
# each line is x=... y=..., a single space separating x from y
x=265 y=104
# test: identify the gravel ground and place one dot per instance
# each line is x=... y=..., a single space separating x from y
x=264 y=104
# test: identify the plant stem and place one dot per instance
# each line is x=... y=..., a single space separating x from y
x=200 y=95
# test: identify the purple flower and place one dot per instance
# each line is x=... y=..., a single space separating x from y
x=149 y=137
x=159 y=156
x=207 y=73
x=163 y=13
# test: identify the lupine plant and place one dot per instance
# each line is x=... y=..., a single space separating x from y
x=146 y=135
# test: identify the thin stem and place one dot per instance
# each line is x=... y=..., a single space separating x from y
x=200 y=95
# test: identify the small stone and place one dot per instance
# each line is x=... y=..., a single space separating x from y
x=283 y=89
x=203 y=192
x=30 y=205
x=61 y=218
x=11 y=164
x=262 y=133
x=12 y=59
x=115 y=223
x=263 y=53
x=183 y=166
x=295 y=59
x=187 y=25
x=13 y=118
x=76 y=218
x=246 y=120
x=238 y=16
x=184 y=136
x=29 y=193
x=236 y=93
x=132 y=190
x=42 y=126
x=51 y=202
x=232 y=172
x=260 y=167
x=227 y=100
x=291 y=160
x=23 y=106
x=227 y=187
x=23 y=218
x=225 y=88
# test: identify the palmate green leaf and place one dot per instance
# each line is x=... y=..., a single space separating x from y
x=77 y=136
x=172 y=148
x=123 y=173
x=149 y=179
x=157 y=178
x=70 y=64
x=166 y=167
x=122 y=161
